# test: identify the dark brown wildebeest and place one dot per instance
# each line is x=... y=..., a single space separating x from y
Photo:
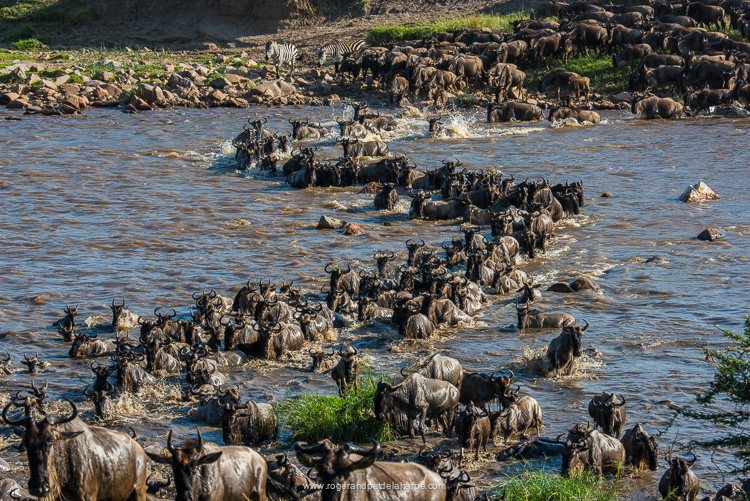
x=512 y=110
x=679 y=482
x=346 y=372
x=657 y=107
x=408 y=398
x=66 y=324
x=641 y=450
x=302 y=130
x=122 y=318
x=398 y=88
x=608 y=413
x=482 y=389
x=473 y=427
x=357 y=148
x=387 y=197
x=566 y=348
x=563 y=112
x=580 y=86
x=249 y=424
x=592 y=451
x=351 y=473
x=586 y=35
x=662 y=77
x=71 y=460
x=630 y=53
x=207 y=472
x=707 y=15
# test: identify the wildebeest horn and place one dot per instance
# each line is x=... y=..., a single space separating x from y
x=584 y=328
x=333 y=267
x=692 y=462
x=63 y=420
x=12 y=422
x=424 y=454
x=621 y=403
x=558 y=438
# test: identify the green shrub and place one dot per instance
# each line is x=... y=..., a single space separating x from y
x=29 y=44
x=543 y=486
x=24 y=32
x=311 y=417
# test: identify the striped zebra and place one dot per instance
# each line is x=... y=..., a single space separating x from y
x=281 y=53
x=337 y=50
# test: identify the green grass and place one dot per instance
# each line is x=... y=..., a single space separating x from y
x=414 y=31
x=30 y=44
x=604 y=78
x=311 y=417
x=542 y=486
x=5 y=56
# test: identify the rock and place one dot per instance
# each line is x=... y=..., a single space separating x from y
x=19 y=73
x=45 y=93
x=67 y=109
x=209 y=46
x=104 y=76
x=251 y=62
x=17 y=104
x=8 y=97
x=330 y=223
x=150 y=93
x=606 y=194
x=320 y=87
x=113 y=90
x=70 y=88
x=33 y=78
x=353 y=229
x=48 y=83
x=268 y=70
x=698 y=193
x=74 y=101
x=710 y=234
x=62 y=79
x=138 y=103
x=217 y=95
x=313 y=74
x=622 y=97
x=274 y=89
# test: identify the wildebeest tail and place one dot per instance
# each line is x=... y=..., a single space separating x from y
x=280 y=492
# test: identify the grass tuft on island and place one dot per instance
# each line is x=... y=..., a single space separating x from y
x=542 y=486
x=381 y=35
x=311 y=417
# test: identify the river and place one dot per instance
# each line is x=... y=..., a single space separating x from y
x=147 y=207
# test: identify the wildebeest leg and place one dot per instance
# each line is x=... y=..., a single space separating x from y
x=422 y=418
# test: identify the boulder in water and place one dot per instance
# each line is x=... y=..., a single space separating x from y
x=330 y=223
x=710 y=234
x=698 y=193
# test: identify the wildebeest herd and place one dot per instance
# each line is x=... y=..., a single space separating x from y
x=670 y=42
x=435 y=288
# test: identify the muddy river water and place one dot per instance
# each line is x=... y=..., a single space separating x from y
x=148 y=207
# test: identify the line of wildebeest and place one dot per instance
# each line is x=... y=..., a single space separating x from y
x=437 y=287
x=676 y=51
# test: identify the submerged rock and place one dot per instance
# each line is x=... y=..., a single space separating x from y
x=710 y=234
x=330 y=223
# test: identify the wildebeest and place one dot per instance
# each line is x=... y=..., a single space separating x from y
x=535 y=319
x=387 y=197
x=249 y=424
x=657 y=107
x=122 y=318
x=592 y=451
x=304 y=130
x=69 y=459
x=706 y=98
x=630 y=53
x=641 y=449
x=532 y=448
x=707 y=15
x=608 y=413
x=443 y=368
x=357 y=148
x=474 y=429
x=351 y=473
x=482 y=389
x=346 y=372
x=679 y=482
x=512 y=110
x=565 y=349
x=423 y=207
x=66 y=325
x=207 y=472
x=562 y=112
x=518 y=418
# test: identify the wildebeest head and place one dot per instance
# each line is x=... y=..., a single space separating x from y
x=32 y=362
x=70 y=317
x=38 y=439
x=575 y=333
x=436 y=461
x=676 y=477
x=333 y=465
x=608 y=412
x=576 y=446
x=382 y=259
x=643 y=447
x=184 y=461
x=80 y=346
x=117 y=311
x=469 y=415
x=415 y=249
x=380 y=402
x=100 y=398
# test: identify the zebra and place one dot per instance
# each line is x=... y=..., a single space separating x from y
x=281 y=53
x=337 y=50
